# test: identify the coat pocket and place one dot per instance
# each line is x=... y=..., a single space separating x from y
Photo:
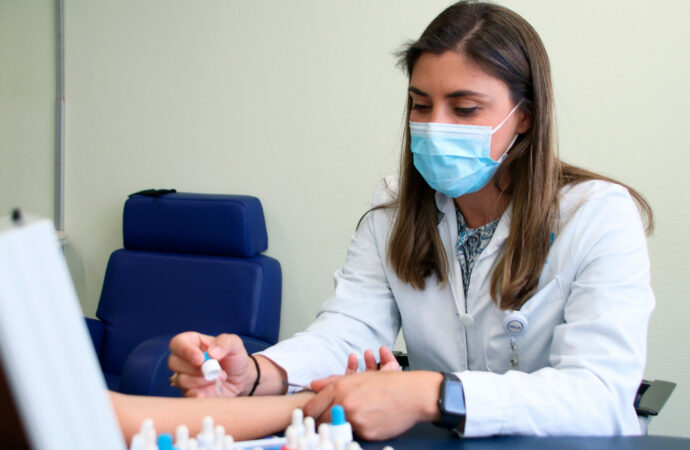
x=530 y=350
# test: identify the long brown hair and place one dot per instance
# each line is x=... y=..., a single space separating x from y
x=507 y=47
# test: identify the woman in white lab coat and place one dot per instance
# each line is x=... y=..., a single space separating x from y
x=518 y=280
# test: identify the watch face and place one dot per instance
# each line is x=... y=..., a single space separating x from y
x=453 y=398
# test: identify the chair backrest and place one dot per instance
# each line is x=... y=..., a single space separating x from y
x=189 y=262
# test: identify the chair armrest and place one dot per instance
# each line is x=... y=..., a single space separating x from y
x=146 y=372
x=402 y=359
x=97 y=332
x=651 y=396
x=253 y=345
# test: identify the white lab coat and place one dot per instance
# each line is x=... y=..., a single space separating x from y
x=581 y=357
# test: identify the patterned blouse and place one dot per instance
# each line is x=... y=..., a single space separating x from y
x=471 y=242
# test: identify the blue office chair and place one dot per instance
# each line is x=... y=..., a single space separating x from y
x=189 y=262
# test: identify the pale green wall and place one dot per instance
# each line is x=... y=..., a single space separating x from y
x=299 y=103
x=27 y=98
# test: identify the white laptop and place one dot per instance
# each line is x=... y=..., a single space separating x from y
x=46 y=357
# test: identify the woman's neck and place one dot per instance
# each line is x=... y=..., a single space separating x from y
x=483 y=206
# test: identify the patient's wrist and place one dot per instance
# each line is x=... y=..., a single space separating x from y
x=428 y=395
x=271 y=379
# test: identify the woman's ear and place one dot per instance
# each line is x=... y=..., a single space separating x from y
x=525 y=122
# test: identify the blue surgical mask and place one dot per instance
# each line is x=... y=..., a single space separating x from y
x=455 y=159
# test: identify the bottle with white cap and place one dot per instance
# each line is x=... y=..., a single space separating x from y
x=150 y=436
x=139 y=439
x=298 y=422
x=325 y=437
x=303 y=444
x=181 y=437
x=310 y=433
x=137 y=442
x=291 y=439
x=146 y=425
x=218 y=437
x=205 y=438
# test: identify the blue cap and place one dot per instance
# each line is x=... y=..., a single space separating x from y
x=337 y=415
x=165 y=441
x=206 y=357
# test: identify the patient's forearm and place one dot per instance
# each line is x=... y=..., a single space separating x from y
x=243 y=417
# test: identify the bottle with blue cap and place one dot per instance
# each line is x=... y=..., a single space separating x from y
x=165 y=441
x=340 y=428
x=210 y=368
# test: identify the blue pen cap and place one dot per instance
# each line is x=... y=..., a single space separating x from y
x=165 y=441
x=337 y=415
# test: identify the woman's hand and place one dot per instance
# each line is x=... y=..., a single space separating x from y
x=187 y=357
x=388 y=363
x=380 y=404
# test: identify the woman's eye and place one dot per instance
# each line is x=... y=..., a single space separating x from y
x=466 y=111
x=418 y=107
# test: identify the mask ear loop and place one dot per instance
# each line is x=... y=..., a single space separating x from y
x=510 y=146
x=498 y=127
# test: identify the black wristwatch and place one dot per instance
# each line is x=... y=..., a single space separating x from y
x=452 y=404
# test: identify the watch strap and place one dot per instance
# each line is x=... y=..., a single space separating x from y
x=450 y=420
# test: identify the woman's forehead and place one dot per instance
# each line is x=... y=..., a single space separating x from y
x=453 y=71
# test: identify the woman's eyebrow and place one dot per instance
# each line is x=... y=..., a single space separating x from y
x=465 y=93
x=454 y=94
x=417 y=91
